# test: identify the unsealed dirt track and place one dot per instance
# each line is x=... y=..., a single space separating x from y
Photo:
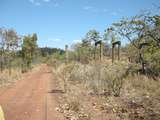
x=30 y=98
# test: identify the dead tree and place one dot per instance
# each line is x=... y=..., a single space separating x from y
x=66 y=61
x=141 y=58
x=66 y=54
x=101 y=49
x=113 y=47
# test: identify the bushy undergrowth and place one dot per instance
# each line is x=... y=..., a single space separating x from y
x=98 y=77
x=6 y=79
x=133 y=96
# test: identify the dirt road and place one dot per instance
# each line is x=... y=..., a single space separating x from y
x=31 y=98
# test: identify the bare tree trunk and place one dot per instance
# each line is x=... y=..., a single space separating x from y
x=95 y=50
x=1 y=61
x=1 y=66
x=10 y=65
x=66 y=49
x=141 y=61
x=118 y=52
x=101 y=51
x=66 y=61
x=112 y=53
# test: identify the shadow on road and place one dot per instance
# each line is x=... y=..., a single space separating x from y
x=56 y=91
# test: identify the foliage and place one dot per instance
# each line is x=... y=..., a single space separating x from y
x=84 y=52
x=110 y=35
x=49 y=51
x=9 y=43
x=29 y=47
x=99 y=77
x=140 y=29
x=92 y=36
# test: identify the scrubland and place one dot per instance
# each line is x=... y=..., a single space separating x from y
x=106 y=91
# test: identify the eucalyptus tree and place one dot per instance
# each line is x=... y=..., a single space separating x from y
x=139 y=29
x=154 y=30
x=29 y=47
x=11 y=40
x=92 y=36
x=133 y=29
x=2 y=46
x=110 y=35
x=142 y=30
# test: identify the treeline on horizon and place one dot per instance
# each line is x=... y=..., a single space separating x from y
x=21 y=51
x=45 y=51
x=140 y=29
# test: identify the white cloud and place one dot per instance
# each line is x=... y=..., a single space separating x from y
x=46 y=0
x=37 y=3
x=102 y=10
x=77 y=41
x=54 y=39
x=87 y=7
x=120 y=10
x=91 y=9
x=105 y=10
x=32 y=1
x=114 y=13
x=55 y=4
x=95 y=9
x=41 y=2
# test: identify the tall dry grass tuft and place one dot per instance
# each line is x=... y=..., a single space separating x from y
x=97 y=77
x=6 y=79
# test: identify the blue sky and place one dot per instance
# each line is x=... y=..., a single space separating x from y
x=60 y=22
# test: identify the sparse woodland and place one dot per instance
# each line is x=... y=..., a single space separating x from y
x=96 y=85
x=18 y=54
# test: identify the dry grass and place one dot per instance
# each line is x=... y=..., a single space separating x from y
x=104 y=89
x=6 y=79
x=16 y=74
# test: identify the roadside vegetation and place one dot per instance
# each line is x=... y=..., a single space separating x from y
x=97 y=81
x=19 y=54
x=96 y=87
